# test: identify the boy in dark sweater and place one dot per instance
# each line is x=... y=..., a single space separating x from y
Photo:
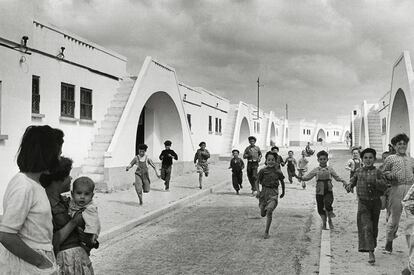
x=236 y=166
x=167 y=157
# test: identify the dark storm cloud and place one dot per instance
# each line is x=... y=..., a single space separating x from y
x=320 y=57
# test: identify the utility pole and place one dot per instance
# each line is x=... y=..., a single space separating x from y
x=287 y=112
x=258 y=96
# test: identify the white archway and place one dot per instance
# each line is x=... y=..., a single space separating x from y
x=272 y=134
x=244 y=134
x=362 y=133
x=159 y=121
x=399 y=119
x=321 y=135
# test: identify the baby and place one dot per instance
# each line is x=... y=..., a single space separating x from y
x=82 y=194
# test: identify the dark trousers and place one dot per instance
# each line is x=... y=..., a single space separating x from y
x=166 y=175
x=252 y=173
x=367 y=221
x=237 y=180
x=324 y=202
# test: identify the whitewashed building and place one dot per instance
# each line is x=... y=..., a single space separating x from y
x=50 y=76
x=375 y=124
x=302 y=132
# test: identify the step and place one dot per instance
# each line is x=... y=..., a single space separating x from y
x=94 y=161
x=122 y=96
x=109 y=124
x=106 y=131
x=112 y=117
x=103 y=138
x=100 y=145
x=92 y=169
x=118 y=103
x=115 y=110
x=97 y=178
x=96 y=153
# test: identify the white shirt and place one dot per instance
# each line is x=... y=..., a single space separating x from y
x=27 y=212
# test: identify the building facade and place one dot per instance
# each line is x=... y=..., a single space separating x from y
x=302 y=132
x=375 y=124
x=50 y=76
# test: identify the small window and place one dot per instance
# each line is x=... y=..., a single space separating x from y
x=67 y=107
x=258 y=127
x=210 y=124
x=304 y=131
x=189 y=120
x=384 y=126
x=277 y=131
x=216 y=126
x=35 y=94
x=86 y=103
x=327 y=134
x=220 y=126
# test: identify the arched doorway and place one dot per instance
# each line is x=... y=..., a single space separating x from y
x=244 y=134
x=272 y=134
x=399 y=120
x=159 y=121
x=321 y=136
x=362 y=133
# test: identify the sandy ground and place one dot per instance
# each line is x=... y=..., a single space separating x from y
x=344 y=238
x=220 y=234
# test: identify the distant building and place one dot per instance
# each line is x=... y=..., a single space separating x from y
x=302 y=132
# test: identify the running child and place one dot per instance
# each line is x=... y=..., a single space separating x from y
x=82 y=200
x=166 y=158
x=253 y=155
x=200 y=161
x=269 y=178
x=354 y=163
x=324 y=193
x=279 y=159
x=302 y=167
x=142 y=180
x=370 y=184
x=236 y=166
x=291 y=166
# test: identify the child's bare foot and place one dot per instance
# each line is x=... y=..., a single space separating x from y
x=237 y=192
x=371 y=257
x=303 y=185
x=200 y=186
x=406 y=271
x=266 y=236
x=331 y=226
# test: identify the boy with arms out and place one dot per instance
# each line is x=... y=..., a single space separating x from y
x=324 y=193
x=253 y=155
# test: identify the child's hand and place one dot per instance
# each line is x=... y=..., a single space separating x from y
x=94 y=238
x=258 y=194
x=282 y=195
x=77 y=218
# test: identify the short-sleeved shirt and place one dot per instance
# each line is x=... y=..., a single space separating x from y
x=401 y=168
x=269 y=177
x=89 y=215
x=27 y=212
x=252 y=153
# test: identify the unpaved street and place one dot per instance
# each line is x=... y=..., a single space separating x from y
x=220 y=234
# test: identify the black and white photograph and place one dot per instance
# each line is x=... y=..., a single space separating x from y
x=206 y=137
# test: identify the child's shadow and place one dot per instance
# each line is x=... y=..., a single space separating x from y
x=233 y=194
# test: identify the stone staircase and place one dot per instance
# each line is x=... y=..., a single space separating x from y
x=229 y=132
x=93 y=166
x=374 y=130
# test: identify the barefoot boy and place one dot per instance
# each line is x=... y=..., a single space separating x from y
x=167 y=157
x=236 y=166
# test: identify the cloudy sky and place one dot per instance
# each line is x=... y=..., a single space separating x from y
x=319 y=57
